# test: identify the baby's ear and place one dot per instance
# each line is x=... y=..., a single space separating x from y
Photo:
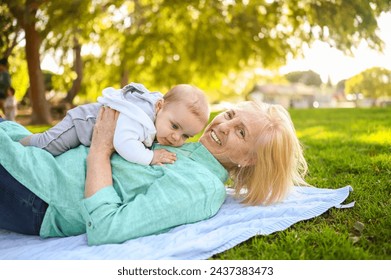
x=159 y=105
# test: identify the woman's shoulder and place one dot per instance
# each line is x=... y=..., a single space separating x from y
x=14 y=130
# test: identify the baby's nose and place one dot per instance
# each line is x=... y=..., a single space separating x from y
x=177 y=139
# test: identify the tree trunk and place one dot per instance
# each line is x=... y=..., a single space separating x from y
x=41 y=112
x=25 y=14
x=78 y=67
x=124 y=77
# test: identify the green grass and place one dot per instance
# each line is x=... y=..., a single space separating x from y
x=37 y=128
x=342 y=147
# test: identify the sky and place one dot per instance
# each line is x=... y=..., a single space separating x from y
x=322 y=59
x=330 y=62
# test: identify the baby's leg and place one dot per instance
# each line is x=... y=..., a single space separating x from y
x=56 y=140
x=75 y=129
x=84 y=118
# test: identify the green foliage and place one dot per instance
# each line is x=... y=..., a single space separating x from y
x=341 y=86
x=309 y=78
x=342 y=147
x=19 y=75
x=101 y=75
x=166 y=42
x=37 y=128
x=374 y=83
x=18 y=71
x=9 y=32
x=341 y=23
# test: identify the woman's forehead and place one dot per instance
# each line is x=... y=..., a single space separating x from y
x=247 y=113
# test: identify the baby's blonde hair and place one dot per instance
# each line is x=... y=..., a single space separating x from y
x=280 y=162
x=194 y=98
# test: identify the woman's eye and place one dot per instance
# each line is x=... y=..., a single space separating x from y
x=242 y=133
x=228 y=115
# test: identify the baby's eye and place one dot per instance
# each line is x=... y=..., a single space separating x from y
x=174 y=126
x=184 y=136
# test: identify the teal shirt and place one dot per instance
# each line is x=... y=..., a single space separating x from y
x=143 y=200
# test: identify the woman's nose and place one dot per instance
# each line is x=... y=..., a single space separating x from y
x=224 y=127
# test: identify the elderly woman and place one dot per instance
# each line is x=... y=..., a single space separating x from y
x=112 y=200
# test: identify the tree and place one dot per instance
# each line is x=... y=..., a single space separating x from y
x=59 y=24
x=165 y=42
x=309 y=78
x=70 y=25
x=341 y=86
x=372 y=83
x=25 y=13
x=10 y=32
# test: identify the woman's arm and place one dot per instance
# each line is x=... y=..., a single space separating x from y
x=170 y=201
x=99 y=173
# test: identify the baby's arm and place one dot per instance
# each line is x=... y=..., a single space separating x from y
x=135 y=151
x=163 y=156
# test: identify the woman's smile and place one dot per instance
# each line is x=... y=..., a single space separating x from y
x=215 y=137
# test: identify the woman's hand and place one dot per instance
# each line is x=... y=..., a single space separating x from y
x=103 y=135
x=99 y=173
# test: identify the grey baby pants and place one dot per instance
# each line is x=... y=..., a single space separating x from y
x=76 y=128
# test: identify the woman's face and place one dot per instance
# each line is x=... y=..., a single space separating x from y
x=232 y=137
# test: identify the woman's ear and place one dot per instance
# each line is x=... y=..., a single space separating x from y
x=159 y=105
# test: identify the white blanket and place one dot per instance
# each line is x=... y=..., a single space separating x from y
x=233 y=224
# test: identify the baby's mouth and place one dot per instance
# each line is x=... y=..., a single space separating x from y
x=165 y=142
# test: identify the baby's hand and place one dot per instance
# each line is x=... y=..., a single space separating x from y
x=163 y=156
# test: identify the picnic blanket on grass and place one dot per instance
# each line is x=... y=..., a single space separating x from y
x=233 y=224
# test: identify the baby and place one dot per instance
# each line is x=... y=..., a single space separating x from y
x=144 y=117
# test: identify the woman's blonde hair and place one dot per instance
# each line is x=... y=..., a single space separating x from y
x=279 y=158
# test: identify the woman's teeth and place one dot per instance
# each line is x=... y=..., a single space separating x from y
x=215 y=138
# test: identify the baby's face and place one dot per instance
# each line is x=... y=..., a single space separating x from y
x=175 y=124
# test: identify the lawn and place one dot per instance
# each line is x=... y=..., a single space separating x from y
x=342 y=147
